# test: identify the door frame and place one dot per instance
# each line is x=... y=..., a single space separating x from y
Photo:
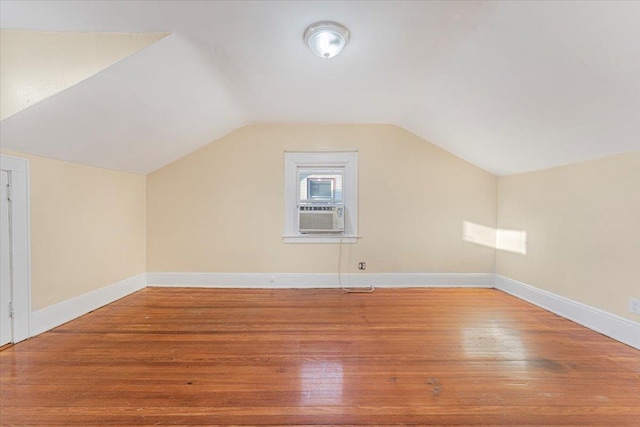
x=20 y=246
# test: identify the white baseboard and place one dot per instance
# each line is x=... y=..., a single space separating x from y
x=55 y=315
x=616 y=327
x=319 y=280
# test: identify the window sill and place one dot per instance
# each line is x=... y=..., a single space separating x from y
x=320 y=239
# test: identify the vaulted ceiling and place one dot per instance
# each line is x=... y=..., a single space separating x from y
x=508 y=86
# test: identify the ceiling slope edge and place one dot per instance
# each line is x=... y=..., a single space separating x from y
x=35 y=65
x=141 y=113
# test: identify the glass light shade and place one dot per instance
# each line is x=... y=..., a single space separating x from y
x=326 y=39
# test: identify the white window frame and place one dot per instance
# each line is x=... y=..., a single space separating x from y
x=348 y=161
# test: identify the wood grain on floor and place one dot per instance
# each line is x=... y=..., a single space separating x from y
x=184 y=356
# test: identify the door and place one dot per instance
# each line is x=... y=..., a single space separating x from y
x=15 y=264
x=6 y=285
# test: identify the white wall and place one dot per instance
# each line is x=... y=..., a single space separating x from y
x=221 y=209
x=583 y=231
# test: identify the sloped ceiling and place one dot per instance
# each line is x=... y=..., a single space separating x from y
x=37 y=64
x=508 y=86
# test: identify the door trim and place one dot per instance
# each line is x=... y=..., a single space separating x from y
x=20 y=223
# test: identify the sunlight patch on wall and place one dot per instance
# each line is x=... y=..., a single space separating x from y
x=505 y=240
x=511 y=241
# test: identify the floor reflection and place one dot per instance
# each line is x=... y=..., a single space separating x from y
x=492 y=342
x=321 y=382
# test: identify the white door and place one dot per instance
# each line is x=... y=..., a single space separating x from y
x=6 y=326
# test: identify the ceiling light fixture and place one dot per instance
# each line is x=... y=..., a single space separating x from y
x=326 y=39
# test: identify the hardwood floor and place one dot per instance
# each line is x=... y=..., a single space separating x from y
x=320 y=357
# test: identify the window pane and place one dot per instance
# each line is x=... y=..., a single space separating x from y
x=320 y=185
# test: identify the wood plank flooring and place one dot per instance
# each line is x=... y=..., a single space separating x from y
x=320 y=357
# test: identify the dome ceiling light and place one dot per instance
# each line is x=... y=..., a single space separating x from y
x=326 y=38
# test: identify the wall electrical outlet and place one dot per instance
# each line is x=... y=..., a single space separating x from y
x=362 y=265
x=634 y=305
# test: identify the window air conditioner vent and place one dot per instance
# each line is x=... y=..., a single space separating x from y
x=320 y=219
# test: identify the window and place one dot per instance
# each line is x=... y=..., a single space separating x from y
x=320 y=182
x=320 y=185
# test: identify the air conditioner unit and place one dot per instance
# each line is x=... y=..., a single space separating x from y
x=318 y=219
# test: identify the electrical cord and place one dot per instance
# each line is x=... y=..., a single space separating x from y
x=368 y=290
